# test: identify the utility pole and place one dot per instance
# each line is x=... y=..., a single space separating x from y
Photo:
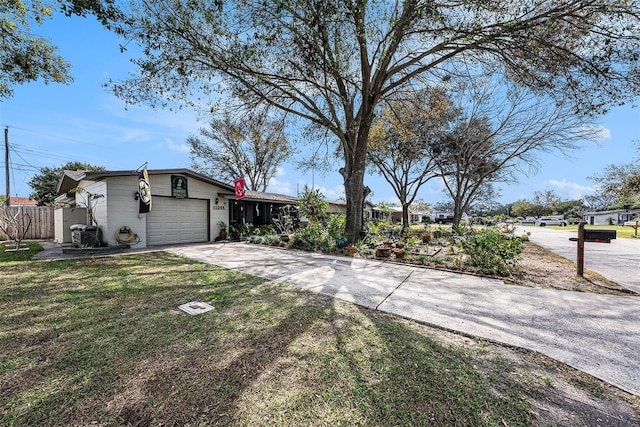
x=6 y=165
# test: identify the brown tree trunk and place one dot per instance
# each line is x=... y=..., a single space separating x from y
x=354 y=188
x=405 y=216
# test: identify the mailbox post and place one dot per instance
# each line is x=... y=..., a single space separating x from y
x=598 y=236
x=580 y=259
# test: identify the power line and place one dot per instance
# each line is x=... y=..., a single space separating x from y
x=49 y=135
x=40 y=153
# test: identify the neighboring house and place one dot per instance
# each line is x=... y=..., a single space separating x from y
x=22 y=201
x=419 y=216
x=340 y=207
x=388 y=213
x=615 y=217
x=337 y=207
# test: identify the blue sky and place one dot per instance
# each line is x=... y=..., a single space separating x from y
x=52 y=124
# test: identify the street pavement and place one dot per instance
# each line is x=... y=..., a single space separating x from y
x=598 y=334
x=618 y=261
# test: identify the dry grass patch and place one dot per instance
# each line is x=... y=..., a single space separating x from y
x=101 y=342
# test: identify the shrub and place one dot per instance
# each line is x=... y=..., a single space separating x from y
x=426 y=236
x=313 y=237
x=336 y=229
x=312 y=205
x=492 y=252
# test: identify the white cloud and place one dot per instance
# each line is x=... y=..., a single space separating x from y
x=332 y=194
x=569 y=190
x=601 y=133
x=180 y=148
x=280 y=187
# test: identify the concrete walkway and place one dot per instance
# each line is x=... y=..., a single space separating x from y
x=598 y=334
x=618 y=261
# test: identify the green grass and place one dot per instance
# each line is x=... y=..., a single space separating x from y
x=8 y=255
x=101 y=342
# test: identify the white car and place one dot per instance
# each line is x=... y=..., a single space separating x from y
x=544 y=221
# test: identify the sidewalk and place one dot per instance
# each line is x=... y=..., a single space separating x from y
x=598 y=334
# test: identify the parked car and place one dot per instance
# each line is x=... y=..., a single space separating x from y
x=443 y=218
x=546 y=220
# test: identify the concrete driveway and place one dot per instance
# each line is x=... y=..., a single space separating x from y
x=598 y=334
x=618 y=261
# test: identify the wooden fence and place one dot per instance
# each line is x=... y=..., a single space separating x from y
x=42 y=226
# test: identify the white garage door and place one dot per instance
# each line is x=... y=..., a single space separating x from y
x=177 y=221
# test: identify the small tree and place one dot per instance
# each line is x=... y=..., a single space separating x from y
x=400 y=138
x=251 y=147
x=90 y=201
x=498 y=135
x=15 y=226
x=312 y=205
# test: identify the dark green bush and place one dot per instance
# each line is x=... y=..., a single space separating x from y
x=313 y=237
x=492 y=252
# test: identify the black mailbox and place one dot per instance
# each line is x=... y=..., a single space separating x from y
x=603 y=236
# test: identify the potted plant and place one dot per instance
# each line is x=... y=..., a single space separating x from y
x=383 y=252
x=223 y=230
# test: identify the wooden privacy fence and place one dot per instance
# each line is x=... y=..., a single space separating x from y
x=41 y=221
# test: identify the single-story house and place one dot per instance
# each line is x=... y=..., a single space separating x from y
x=614 y=217
x=419 y=217
x=388 y=213
x=186 y=207
x=340 y=207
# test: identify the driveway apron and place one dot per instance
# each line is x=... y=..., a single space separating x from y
x=598 y=334
x=618 y=261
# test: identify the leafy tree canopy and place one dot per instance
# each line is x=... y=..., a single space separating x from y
x=45 y=183
x=332 y=62
x=620 y=184
x=26 y=57
x=312 y=205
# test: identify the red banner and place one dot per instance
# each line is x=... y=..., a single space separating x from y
x=239 y=184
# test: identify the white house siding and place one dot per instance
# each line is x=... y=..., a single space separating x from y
x=618 y=216
x=117 y=207
x=64 y=218
x=99 y=205
x=161 y=186
x=123 y=210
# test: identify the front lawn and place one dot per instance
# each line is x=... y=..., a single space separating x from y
x=100 y=342
x=8 y=252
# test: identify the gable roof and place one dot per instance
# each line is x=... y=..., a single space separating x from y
x=70 y=179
